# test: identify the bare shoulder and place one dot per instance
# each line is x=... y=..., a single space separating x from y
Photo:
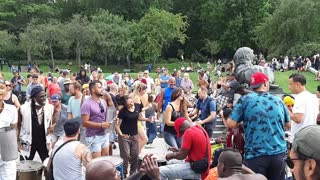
x=81 y=150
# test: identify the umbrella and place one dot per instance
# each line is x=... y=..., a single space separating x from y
x=109 y=77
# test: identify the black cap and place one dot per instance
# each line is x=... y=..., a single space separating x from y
x=72 y=126
x=36 y=90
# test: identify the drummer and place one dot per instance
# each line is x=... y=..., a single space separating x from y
x=8 y=117
x=105 y=169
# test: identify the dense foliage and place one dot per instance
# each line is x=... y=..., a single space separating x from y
x=130 y=31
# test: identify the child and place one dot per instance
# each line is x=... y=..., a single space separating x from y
x=151 y=126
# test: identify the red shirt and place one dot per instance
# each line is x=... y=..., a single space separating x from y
x=196 y=142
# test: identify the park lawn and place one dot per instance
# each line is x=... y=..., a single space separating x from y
x=281 y=78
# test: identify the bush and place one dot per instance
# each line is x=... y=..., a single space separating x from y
x=198 y=57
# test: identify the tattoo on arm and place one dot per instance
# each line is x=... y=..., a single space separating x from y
x=86 y=157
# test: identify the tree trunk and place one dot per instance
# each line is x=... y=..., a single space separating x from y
x=78 y=53
x=51 y=53
x=105 y=61
x=154 y=62
x=128 y=61
x=29 y=56
x=118 y=60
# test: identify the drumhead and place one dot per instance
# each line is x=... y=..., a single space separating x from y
x=28 y=166
x=114 y=159
x=160 y=157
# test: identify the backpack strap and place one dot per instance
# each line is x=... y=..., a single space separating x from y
x=62 y=146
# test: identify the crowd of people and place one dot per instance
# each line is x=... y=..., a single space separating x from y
x=67 y=121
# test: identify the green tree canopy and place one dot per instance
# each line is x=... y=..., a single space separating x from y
x=293 y=29
x=80 y=35
x=155 y=31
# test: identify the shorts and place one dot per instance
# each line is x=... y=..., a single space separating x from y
x=97 y=143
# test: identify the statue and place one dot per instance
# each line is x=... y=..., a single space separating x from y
x=244 y=68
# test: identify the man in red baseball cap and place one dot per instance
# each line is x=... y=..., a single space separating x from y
x=195 y=146
x=264 y=119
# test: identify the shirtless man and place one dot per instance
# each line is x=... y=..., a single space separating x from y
x=202 y=81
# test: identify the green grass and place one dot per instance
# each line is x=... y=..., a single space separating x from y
x=281 y=77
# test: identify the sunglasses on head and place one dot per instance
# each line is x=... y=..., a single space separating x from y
x=101 y=108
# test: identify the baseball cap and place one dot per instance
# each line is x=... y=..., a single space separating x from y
x=257 y=79
x=67 y=81
x=109 y=82
x=55 y=98
x=288 y=100
x=177 y=124
x=85 y=86
x=71 y=126
x=146 y=72
x=306 y=142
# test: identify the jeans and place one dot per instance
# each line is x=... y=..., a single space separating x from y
x=178 y=171
x=151 y=131
x=209 y=128
x=272 y=166
x=8 y=170
x=172 y=140
x=129 y=153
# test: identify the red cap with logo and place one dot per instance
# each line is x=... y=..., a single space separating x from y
x=257 y=79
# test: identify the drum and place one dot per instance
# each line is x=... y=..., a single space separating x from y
x=8 y=144
x=161 y=159
x=117 y=161
x=29 y=170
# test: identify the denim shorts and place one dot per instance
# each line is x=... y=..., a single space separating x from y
x=97 y=143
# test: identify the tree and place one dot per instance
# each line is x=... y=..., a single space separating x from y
x=30 y=41
x=80 y=34
x=156 y=30
x=232 y=23
x=292 y=29
x=7 y=42
x=128 y=9
x=212 y=47
x=16 y=15
x=113 y=34
x=51 y=34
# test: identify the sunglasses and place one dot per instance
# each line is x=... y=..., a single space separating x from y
x=101 y=108
x=289 y=162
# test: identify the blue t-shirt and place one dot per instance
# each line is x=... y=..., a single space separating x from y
x=167 y=97
x=178 y=81
x=264 y=117
x=206 y=106
x=166 y=78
